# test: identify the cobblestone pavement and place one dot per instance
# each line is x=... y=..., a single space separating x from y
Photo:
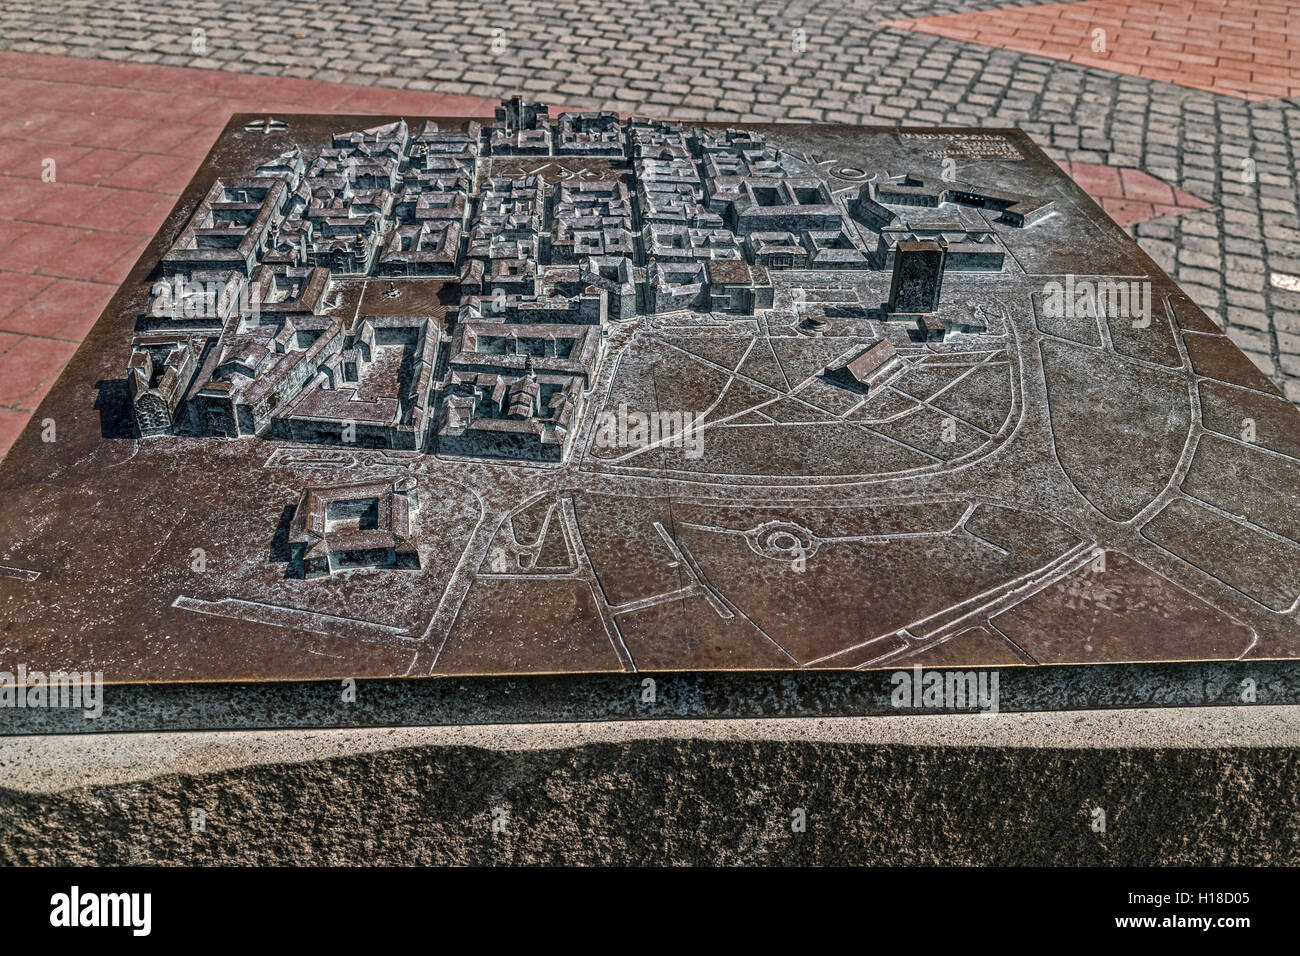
x=803 y=61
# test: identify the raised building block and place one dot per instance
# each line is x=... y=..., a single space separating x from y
x=917 y=279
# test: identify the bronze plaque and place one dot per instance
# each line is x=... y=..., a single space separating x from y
x=564 y=394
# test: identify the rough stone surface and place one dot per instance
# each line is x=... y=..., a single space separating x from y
x=701 y=802
x=1179 y=787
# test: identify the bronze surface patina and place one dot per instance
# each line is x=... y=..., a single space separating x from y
x=556 y=394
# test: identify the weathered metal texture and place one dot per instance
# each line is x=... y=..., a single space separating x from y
x=1028 y=481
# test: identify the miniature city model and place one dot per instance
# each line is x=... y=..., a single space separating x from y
x=575 y=393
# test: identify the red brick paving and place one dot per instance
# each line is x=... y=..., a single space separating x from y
x=11 y=424
x=125 y=139
x=28 y=366
x=64 y=309
x=1129 y=195
x=1245 y=49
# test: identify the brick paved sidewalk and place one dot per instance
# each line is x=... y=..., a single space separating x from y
x=1203 y=179
x=1242 y=49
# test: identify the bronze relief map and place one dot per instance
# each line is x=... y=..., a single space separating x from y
x=575 y=393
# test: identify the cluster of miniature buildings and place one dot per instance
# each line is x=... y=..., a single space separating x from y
x=256 y=325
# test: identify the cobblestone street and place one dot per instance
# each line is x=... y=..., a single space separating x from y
x=1174 y=113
